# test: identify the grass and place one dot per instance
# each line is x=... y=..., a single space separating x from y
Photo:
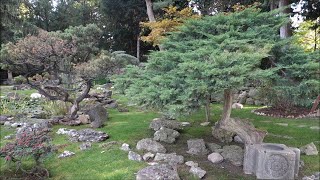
x=129 y=127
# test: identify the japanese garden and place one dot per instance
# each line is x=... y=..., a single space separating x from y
x=160 y=89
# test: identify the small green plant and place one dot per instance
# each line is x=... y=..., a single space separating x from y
x=56 y=108
x=13 y=106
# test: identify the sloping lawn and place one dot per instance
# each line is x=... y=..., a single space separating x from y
x=130 y=127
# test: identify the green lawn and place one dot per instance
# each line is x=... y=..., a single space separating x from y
x=129 y=127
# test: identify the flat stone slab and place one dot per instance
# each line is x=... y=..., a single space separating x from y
x=172 y=158
x=234 y=154
x=158 y=172
x=157 y=123
x=84 y=135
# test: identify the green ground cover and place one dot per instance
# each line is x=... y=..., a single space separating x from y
x=130 y=127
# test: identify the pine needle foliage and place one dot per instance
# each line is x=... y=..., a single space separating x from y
x=204 y=57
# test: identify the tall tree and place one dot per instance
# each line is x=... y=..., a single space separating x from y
x=213 y=54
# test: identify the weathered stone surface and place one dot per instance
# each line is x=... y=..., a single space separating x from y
x=148 y=156
x=249 y=101
x=158 y=172
x=157 y=123
x=125 y=147
x=66 y=154
x=222 y=135
x=242 y=97
x=134 y=156
x=166 y=135
x=238 y=139
x=7 y=123
x=3 y=119
x=198 y=172
x=309 y=149
x=66 y=131
x=185 y=124
x=98 y=115
x=213 y=147
x=84 y=119
x=87 y=135
x=215 y=158
x=85 y=146
x=197 y=147
x=11 y=136
x=253 y=93
x=271 y=161
x=205 y=124
x=237 y=106
x=315 y=176
x=191 y=164
x=234 y=154
x=150 y=145
x=172 y=158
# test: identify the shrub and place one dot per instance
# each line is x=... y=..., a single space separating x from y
x=19 y=80
x=56 y=108
x=30 y=142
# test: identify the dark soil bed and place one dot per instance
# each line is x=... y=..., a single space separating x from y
x=294 y=112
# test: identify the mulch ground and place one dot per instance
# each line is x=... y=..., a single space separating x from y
x=294 y=112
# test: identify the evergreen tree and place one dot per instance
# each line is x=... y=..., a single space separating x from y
x=215 y=54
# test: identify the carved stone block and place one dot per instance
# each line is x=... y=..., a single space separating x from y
x=271 y=161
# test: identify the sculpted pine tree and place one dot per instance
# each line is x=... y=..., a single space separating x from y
x=214 y=54
x=70 y=58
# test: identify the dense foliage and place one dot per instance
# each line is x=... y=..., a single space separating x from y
x=206 y=56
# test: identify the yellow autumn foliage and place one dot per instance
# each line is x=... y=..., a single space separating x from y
x=168 y=23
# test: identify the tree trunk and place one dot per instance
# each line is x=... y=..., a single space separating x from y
x=315 y=104
x=138 y=47
x=285 y=30
x=272 y=5
x=207 y=108
x=244 y=129
x=150 y=11
x=75 y=105
x=227 y=106
x=10 y=77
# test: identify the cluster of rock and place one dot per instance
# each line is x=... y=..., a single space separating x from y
x=246 y=95
x=84 y=135
x=165 y=130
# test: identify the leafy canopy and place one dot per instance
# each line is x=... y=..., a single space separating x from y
x=204 y=57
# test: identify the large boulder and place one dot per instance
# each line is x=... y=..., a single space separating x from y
x=157 y=123
x=158 y=172
x=98 y=115
x=197 y=147
x=150 y=145
x=234 y=154
x=172 y=158
x=166 y=135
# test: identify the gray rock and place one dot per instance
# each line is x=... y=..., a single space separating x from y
x=238 y=139
x=87 y=135
x=66 y=154
x=166 y=135
x=84 y=119
x=258 y=102
x=185 y=124
x=85 y=146
x=134 y=156
x=205 y=124
x=125 y=147
x=249 y=101
x=237 y=106
x=15 y=125
x=11 y=136
x=172 y=158
x=197 y=147
x=148 y=156
x=65 y=131
x=215 y=158
x=98 y=115
x=198 y=172
x=3 y=119
x=157 y=123
x=309 y=149
x=234 y=154
x=213 y=147
x=158 y=172
x=222 y=135
x=150 y=145
x=191 y=164
x=112 y=105
x=242 y=97
x=253 y=93
x=7 y=123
